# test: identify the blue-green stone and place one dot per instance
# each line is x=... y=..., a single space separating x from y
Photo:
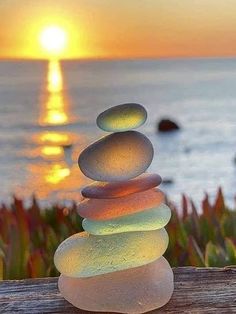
x=150 y=219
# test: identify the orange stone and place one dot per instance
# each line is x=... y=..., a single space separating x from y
x=141 y=183
x=103 y=209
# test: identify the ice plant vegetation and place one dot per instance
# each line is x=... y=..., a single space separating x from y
x=203 y=237
x=29 y=236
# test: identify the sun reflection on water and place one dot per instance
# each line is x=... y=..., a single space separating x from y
x=55 y=154
x=54 y=77
x=56 y=138
x=55 y=108
x=56 y=174
x=52 y=150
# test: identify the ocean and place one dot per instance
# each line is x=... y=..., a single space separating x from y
x=48 y=113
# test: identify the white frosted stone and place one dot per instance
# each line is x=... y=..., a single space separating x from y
x=136 y=290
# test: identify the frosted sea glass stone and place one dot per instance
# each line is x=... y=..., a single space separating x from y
x=122 y=118
x=150 y=219
x=85 y=255
x=104 y=209
x=136 y=290
x=143 y=182
x=117 y=157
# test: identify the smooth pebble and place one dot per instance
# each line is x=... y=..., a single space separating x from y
x=150 y=219
x=117 y=189
x=122 y=117
x=117 y=157
x=85 y=255
x=137 y=290
x=104 y=209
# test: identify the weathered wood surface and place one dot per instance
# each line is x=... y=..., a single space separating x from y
x=197 y=290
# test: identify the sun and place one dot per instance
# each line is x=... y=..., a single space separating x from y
x=53 y=39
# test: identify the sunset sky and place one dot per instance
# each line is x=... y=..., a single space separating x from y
x=120 y=29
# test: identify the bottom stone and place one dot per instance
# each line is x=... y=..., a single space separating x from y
x=136 y=290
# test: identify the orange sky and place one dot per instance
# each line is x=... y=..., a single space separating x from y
x=124 y=28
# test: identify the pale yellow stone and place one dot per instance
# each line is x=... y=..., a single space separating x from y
x=84 y=255
x=122 y=117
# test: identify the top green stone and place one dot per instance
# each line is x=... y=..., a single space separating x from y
x=122 y=118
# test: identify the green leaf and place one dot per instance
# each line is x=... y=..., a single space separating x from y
x=214 y=256
x=1 y=264
x=230 y=251
x=195 y=255
x=36 y=265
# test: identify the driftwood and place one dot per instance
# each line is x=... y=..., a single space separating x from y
x=197 y=290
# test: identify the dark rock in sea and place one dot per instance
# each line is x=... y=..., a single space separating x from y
x=167 y=125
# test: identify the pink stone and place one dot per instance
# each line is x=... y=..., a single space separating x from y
x=136 y=290
x=103 y=209
x=141 y=183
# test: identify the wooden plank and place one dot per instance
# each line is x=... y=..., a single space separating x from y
x=197 y=290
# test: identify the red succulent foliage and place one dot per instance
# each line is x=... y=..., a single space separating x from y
x=30 y=236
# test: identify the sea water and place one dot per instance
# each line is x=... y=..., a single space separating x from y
x=46 y=121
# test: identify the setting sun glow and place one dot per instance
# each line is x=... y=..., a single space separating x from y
x=53 y=39
x=72 y=29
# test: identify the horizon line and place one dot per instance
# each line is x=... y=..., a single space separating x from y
x=117 y=58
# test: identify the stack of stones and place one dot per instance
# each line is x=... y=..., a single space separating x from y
x=116 y=265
